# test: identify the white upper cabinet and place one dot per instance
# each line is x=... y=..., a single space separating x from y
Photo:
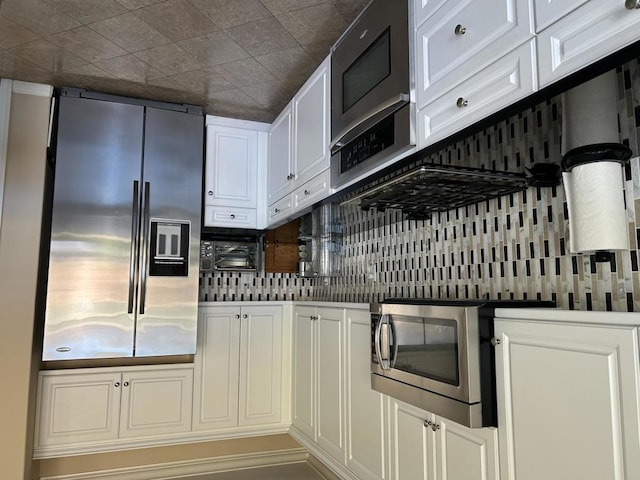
x=568 y=399
x=299 y=143
x=589 y=33
x=462 y=37
x=235 y=162
x=550 y=11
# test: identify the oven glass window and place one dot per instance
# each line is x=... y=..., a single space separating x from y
x=371 y=68
x=427 y=347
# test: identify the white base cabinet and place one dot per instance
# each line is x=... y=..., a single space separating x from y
x=242 y=368
x=76 y=408
x=568 y=401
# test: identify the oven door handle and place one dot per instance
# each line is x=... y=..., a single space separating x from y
x=392 y=341
x=367 y=120
x=378 y=344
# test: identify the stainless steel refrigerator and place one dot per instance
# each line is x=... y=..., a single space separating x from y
x=125 y=229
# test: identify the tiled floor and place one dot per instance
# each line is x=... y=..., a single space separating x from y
x=294 y=471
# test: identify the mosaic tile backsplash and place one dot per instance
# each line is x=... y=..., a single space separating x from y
x=512 y=247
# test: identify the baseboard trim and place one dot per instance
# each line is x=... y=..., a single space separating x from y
x=319 y=458
x=176 y=470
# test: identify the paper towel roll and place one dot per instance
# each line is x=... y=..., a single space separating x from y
x=590 y=113
x=595 y=201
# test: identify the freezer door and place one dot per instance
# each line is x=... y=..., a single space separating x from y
x=171 y=198
x=90 y=294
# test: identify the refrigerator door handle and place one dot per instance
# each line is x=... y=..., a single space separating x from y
x=135 y=222
x=145 y=246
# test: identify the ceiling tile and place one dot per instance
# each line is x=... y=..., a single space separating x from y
x=129 y=68
x=88 y=11
x=318 y=51
x=214 y=49
x=319 y=23
x=243 y=72
x=286 y=63
x=87 y=44
x=234 y=98
x=266 y=93
x=262 y=36
x=48 y=55
x=229 y=13
x=199 y=81
x=17 y=68
x=37 y=16
x=130 y=33
x=89 y=70
x=350 y=9
x=282 y=6
x=12 y=34
x=136 y=4
x=169 y=59
x=176 y=19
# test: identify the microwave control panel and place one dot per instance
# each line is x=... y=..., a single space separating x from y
x=365 y=146
x=206 y=256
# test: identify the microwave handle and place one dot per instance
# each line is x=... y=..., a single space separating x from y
x=380 y=354
x=367 y=120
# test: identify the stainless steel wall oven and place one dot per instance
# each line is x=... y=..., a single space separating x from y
x=371 y=116
x=439 y=355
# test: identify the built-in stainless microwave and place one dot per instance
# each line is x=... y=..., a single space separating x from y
x=439 y=355
x=228 y=255
x=371 y=108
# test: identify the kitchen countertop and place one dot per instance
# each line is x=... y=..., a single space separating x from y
x=305 y=303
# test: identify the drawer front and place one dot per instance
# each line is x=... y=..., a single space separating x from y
x=311 y=192
x=550 y=11
x=590 y=33
x=279 y=211
x=230 y=217
x=509 y=79
x=463 y=37
x=423 y=9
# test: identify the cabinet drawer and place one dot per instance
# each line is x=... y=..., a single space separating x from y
x=502 y=83
x=589 y=33
x=463 y=37
x=550 y=11
x=311 y=192
x=279 y=211
x=423 y=9
x=230 y=217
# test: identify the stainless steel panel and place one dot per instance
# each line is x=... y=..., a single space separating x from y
x=173 y=161
x=98 y=160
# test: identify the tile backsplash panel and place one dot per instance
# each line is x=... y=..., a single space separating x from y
x=515 y=246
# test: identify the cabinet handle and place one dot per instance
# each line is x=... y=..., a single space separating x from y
x=632 y=4
x=210 y=192
x=307 y=192
x=461 y=102
x=232 y=216
x=126 y=384
x=117 y=384
x=459 y=30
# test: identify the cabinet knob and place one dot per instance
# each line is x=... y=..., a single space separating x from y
x=210 y=192
x=434 y=426
x=632 y=4
x=117 y=384
x=232 y=216
x=307 y=192
x=459 y=30
x=238 y=315
x=126 y=384
x=495 y=341
x=277 y=210
x=461 y=102
x=245 y=316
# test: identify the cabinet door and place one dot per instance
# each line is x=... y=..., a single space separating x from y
x=568 y=401
x=464 y=36
x=313 y=191
x=280 y=164
x=477 y=446
x=311 y=130
x=304 y=371
x=156 y=402
x=215 y=403
x=260 y=366
x=330 y=381
x=550 y=11
x=364 y=407
x=231 y=167
x=77 y=408
x=587 y=34
x=231 y=217
x=411 y=443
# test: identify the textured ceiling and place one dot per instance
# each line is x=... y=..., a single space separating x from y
x=237 y=58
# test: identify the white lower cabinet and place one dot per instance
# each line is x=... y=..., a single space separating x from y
x=568 y=400
x=429 y=447
x=241 y=368
x=76 y=408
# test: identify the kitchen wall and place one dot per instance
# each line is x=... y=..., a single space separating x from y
x=515 y=246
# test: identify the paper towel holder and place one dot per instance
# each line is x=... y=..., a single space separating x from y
x=609 y=152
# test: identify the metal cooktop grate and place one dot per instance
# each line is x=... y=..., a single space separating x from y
x=437 y=189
